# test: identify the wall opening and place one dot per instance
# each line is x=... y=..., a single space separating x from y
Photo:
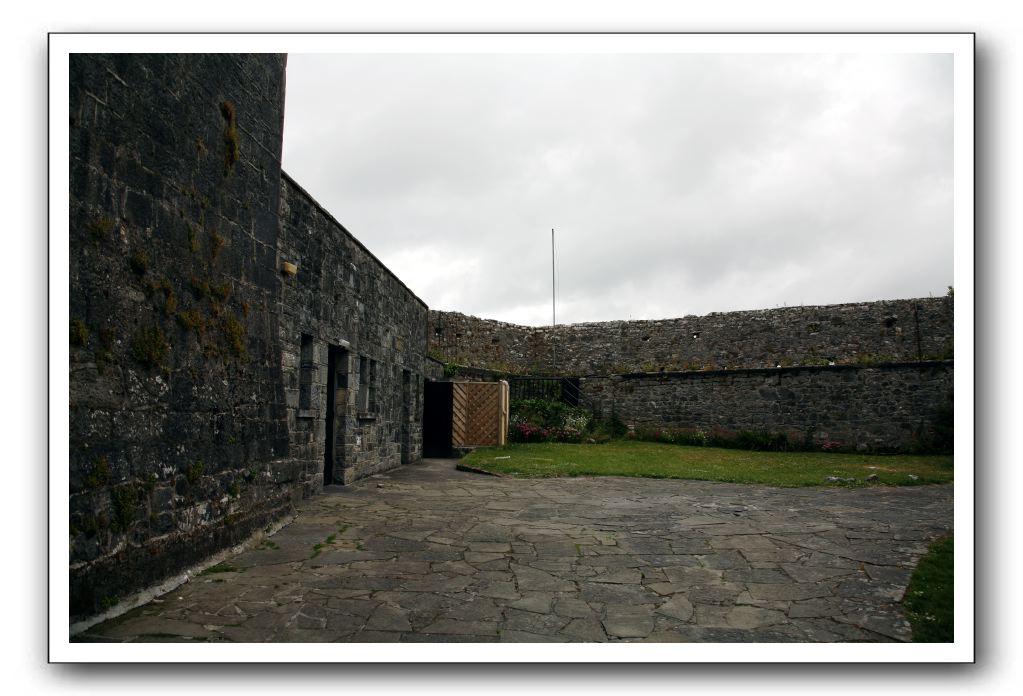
x=307 y=387
x=437 y=412
x=363 y=403
x=337 y=393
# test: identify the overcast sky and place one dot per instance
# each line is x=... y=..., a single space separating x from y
x=677 y=184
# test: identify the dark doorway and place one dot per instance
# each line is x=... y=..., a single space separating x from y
x=337 y=382
x=437 y=402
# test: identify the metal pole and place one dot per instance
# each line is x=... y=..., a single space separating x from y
x=554 y=315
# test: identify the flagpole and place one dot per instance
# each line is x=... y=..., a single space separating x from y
x=554 y=314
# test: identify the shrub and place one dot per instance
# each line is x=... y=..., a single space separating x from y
x=761 y=440
x=539 y=420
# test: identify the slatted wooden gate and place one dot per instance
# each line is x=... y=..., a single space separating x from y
x=479 y=414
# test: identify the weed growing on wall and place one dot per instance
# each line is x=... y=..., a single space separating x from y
x=149 y=345
x=79 y=332
x=231 y=149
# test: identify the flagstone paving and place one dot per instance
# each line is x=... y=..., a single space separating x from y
x=428 y=553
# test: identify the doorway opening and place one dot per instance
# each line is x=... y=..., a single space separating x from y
x=337 y=391
x=437 y=412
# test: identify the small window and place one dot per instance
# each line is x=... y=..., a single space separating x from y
x=363 y=384
x=372 y=386
x=307 y=387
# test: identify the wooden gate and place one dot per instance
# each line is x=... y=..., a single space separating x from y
x=479 y=414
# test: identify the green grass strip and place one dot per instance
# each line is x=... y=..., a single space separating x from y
x=658 y=460
x=930 y=600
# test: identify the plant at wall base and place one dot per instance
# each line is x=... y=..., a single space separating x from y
x=831 y=446
x=123 y=501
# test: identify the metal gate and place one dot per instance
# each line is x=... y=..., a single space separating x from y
x=479 y=414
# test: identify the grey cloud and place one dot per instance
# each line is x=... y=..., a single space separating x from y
x=678 y=184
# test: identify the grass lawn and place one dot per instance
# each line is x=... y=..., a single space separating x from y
x=657 y=460
x=929 y=600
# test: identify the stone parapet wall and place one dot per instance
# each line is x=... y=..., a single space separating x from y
x=869 y=332
x=894 y=407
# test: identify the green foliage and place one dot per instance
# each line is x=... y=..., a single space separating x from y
x=318 y=548
x=762 y=441
x=79 y=333
x=657 y=460
x=123 y=501
x=139 y=263
x=149 y=345
x=753 y=440
x=450 y=370
x=223 y=567
x=930 y=598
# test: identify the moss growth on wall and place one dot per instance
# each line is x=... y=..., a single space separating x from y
x=79 y=333
x=231 y=149
x=149 y=345
x=100 y=474
x=139 y=263
x=234 y=335
x=101 y=228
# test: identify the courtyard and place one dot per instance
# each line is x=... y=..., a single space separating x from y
x=428 y=553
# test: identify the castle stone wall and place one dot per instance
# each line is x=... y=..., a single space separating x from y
x=894 y=407
x=869 y=332
x=178 y=424
x=343 y=297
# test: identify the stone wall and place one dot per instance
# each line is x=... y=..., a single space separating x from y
x=178 y=429
x=342 y=299
x=893 y=407
x=871 y=332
